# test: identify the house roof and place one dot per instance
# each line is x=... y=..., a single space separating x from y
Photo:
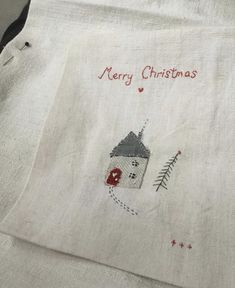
x=131 y=146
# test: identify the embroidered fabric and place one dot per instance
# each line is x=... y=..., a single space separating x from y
x=60 y=122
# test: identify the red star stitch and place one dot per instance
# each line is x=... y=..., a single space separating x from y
x=181 y=244
x=173 y=242
x=189 y=246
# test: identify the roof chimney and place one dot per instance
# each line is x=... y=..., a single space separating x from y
x=140 y=134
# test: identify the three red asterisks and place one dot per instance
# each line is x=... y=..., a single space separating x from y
x=181 y=244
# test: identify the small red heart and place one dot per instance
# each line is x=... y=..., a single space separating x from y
x=140 y=89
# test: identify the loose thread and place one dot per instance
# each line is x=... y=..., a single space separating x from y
x=11 y=58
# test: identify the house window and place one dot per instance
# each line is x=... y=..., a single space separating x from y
x=132 y=175
x=135 y=163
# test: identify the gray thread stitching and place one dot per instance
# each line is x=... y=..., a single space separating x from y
x=164 y=174
x=120 y=203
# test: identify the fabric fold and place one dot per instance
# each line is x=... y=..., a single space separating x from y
x=45 y=268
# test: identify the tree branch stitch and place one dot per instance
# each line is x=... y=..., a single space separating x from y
x=164 y=174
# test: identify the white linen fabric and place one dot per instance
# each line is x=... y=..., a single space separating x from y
x=61 y=117
x=29 y=266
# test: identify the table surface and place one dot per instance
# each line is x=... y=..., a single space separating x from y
x=9 y=11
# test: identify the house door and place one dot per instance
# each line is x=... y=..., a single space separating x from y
x=114 y=177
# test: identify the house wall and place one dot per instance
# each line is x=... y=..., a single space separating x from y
x=126 y=166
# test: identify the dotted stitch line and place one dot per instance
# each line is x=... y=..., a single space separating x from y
x=120 y=203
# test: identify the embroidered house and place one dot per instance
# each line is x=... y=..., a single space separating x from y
x=128 y=163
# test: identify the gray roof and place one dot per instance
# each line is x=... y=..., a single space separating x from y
x=131 y=146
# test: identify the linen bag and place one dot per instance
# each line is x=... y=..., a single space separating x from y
x=130 y=170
